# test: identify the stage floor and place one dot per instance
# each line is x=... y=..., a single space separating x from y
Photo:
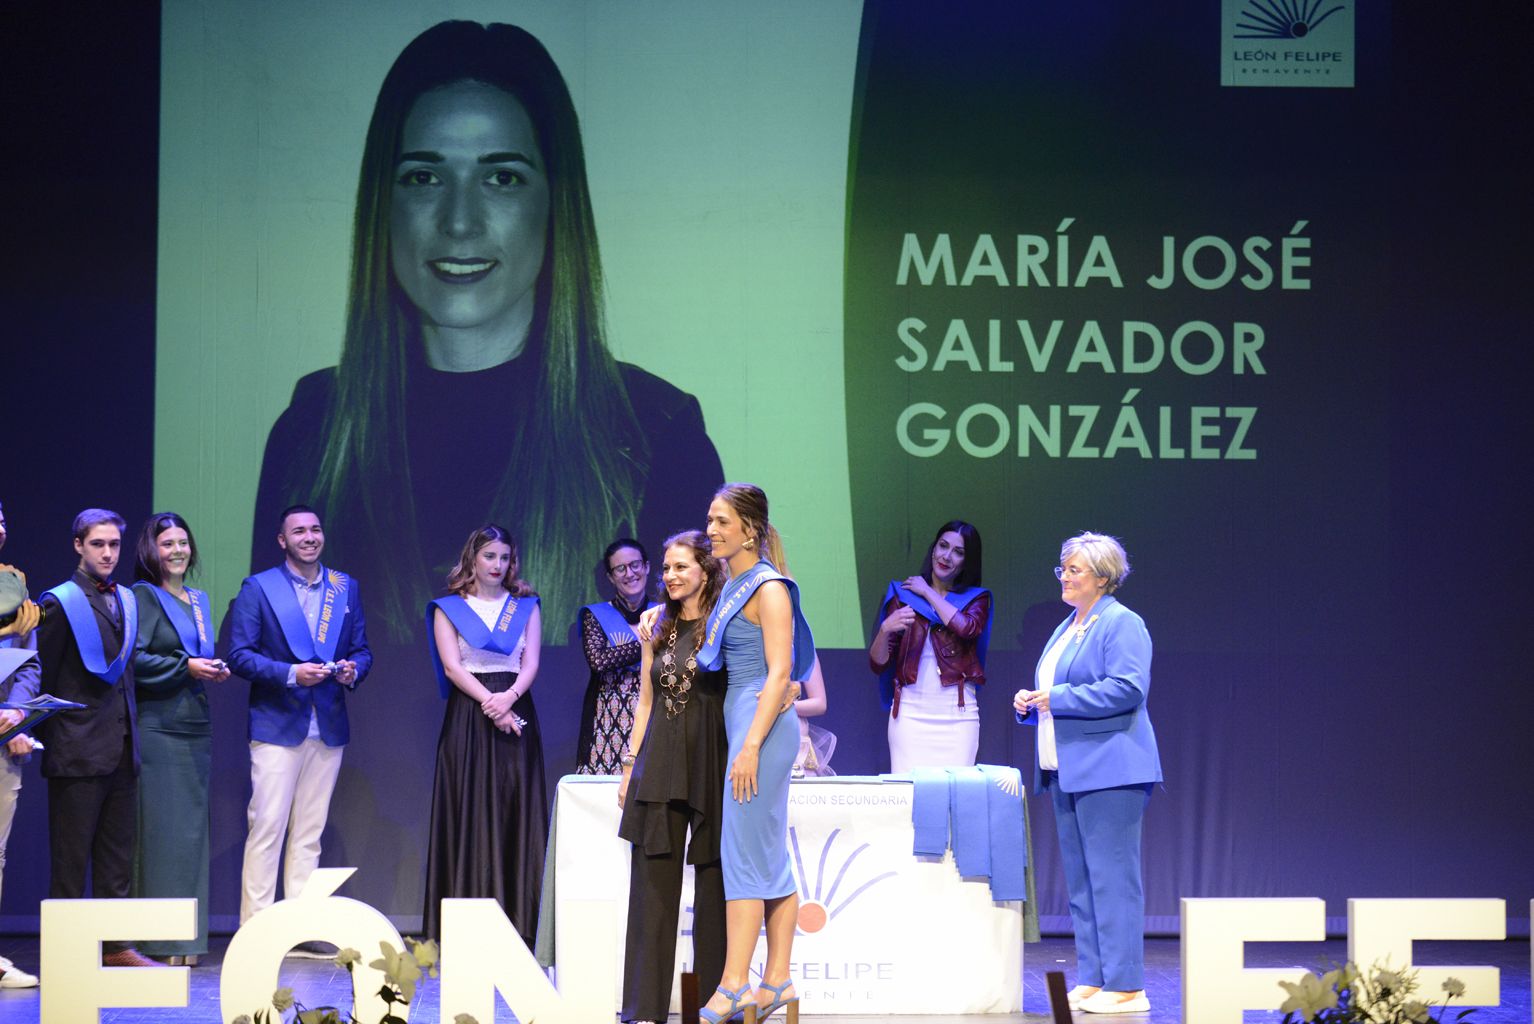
x=319 y=982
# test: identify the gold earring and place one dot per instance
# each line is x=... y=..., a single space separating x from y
x=750 y=543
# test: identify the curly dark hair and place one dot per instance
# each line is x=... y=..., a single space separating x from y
x=696 y=542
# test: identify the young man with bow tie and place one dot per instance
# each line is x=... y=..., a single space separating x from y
x=90 y=755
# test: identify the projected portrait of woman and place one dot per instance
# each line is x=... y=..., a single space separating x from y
x=475 y=380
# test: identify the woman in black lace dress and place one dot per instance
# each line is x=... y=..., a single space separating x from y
x=612 y=651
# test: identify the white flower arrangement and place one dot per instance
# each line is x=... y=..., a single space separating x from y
x=1347 y=996
x=402 y=971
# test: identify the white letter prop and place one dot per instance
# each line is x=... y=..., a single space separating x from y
x=482 y=955
x=1380 y=930
x=78 y=986
x=255 y=953
x=1216 y=984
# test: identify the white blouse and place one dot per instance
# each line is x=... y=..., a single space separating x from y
x=1049 y=756
x=482 y=661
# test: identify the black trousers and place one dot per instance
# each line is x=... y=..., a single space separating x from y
x=655 y=896
x=93 y=826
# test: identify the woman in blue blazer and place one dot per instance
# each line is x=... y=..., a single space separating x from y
x=1097 y=760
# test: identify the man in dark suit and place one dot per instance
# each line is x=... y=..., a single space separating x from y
x=90 y=756
x=297 y=634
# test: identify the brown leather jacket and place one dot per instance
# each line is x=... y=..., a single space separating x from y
x=958 y=661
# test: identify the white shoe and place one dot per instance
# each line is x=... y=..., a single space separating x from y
x=1080 y=994
x=1116 y=1002
x=313 y=951
x=12 y=976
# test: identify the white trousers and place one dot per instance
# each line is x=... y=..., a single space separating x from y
x=10 y=791
x=290 y=792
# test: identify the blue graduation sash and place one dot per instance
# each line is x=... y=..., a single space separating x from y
x=278 y=588
x=509 y=624
x=960 y=599
x=82 y=621
x=733 y=598
x=617 y=628
x=963 y=809
x=195 y=633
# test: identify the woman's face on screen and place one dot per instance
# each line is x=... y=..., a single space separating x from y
x=469 y=211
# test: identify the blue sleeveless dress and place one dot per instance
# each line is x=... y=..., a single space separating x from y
x=754 y=840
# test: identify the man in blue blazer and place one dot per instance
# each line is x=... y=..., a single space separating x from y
x=298 y=635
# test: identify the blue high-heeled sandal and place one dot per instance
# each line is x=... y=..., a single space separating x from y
x=778 y=1003
x=742 y=1007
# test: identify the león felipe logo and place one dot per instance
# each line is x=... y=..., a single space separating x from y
x=1287 y=43
x=819 y=905
x=1283 y=19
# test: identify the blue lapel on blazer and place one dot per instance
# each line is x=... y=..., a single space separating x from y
x=1072 y=649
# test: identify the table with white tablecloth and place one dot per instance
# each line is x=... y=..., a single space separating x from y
x=880 y=929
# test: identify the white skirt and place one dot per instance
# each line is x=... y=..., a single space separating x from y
x=932 y=730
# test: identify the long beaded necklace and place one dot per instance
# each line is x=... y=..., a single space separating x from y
x=678 y=685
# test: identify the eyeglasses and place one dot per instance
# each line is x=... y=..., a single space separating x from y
x=1075 y=571
x=638 y=567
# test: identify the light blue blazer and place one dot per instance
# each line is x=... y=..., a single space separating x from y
x=1102 y=729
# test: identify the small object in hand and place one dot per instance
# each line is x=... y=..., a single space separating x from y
x=330 y=667
x=13 y=594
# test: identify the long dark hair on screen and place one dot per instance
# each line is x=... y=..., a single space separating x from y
x=573 y=449
x=969 y=573
x=697 y=544
x=147 y=564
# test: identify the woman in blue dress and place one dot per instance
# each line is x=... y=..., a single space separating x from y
x=758 y=633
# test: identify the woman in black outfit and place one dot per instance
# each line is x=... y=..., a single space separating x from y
x=489 y=808
x=673 y=782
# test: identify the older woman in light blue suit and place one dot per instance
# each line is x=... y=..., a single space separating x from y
x=1097 y=760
